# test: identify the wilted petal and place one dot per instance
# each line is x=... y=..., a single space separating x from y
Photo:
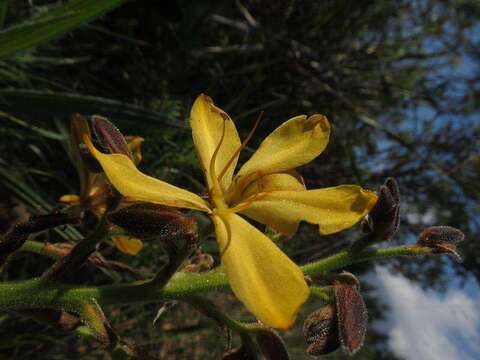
x=333 y=209
x=270 y=285
x=129 y=181
x=296 y=142
x=127 y=244
x=208 y=123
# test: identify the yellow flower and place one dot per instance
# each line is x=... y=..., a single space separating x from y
x=94 y=188
x=266 y=189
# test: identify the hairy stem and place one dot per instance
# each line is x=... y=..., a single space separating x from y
x=37 y=293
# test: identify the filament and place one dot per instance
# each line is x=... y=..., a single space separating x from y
x=242 y=146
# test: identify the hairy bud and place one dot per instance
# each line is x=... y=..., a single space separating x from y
x=348 y=278
x=352 y=317
x=145 y=220
x=384 y=218
x=109 y=136
x=19 y=233
x=441 y=239
x=342 y=323
x=321 y=331
x=245 y=352
x=272 y=345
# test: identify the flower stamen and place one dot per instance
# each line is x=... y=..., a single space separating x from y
x=248 y=202
x=242 y=146
x=216 y=189
x=229 y=236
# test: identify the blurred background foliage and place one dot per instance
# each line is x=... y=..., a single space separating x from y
x=399 y=80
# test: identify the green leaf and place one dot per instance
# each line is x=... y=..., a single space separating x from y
x=55 y=103
x=3 y=12
x=51 y=24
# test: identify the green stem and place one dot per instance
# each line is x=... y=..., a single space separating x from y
x=348 y=257
x=37 y=293
x=209 y=309
x=176 y=257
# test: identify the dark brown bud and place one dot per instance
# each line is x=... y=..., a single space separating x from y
x=19 y=233
x=392 y=185
x=109 y=136
x=384 y=219
x=145 y=220
x=441 y=239
x=352 y=317
x=348 y=278
x=38 y=223
x=272 y=345
x=321 y=331
x=245 y=352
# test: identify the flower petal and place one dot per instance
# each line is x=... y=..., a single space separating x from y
x=70 y=199
x=130 y=182
x=275 y=182
x=127 y=244
x=333 y=209
x=294 y=143
x=134 y=144
x=207 y=122
x=270 y=285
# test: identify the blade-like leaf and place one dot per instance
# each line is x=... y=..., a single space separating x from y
x=52 y=103
x=3 y=12
x=51 y=24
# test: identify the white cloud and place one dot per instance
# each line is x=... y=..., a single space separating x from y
x=426 y=325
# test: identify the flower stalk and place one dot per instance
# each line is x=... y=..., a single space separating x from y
x=36 y=293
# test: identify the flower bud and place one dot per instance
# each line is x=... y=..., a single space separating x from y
x=321 y=331
x=19 y=233
x=272 y=345
x=348 y=278
x=384 y=218
x=109 y=136
x=352 y=317
x=245 y=352
x=145 y=220
x=441 y=239
x=38 y=223
x=392 y=185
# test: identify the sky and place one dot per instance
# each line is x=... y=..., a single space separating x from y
x=424 y=324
